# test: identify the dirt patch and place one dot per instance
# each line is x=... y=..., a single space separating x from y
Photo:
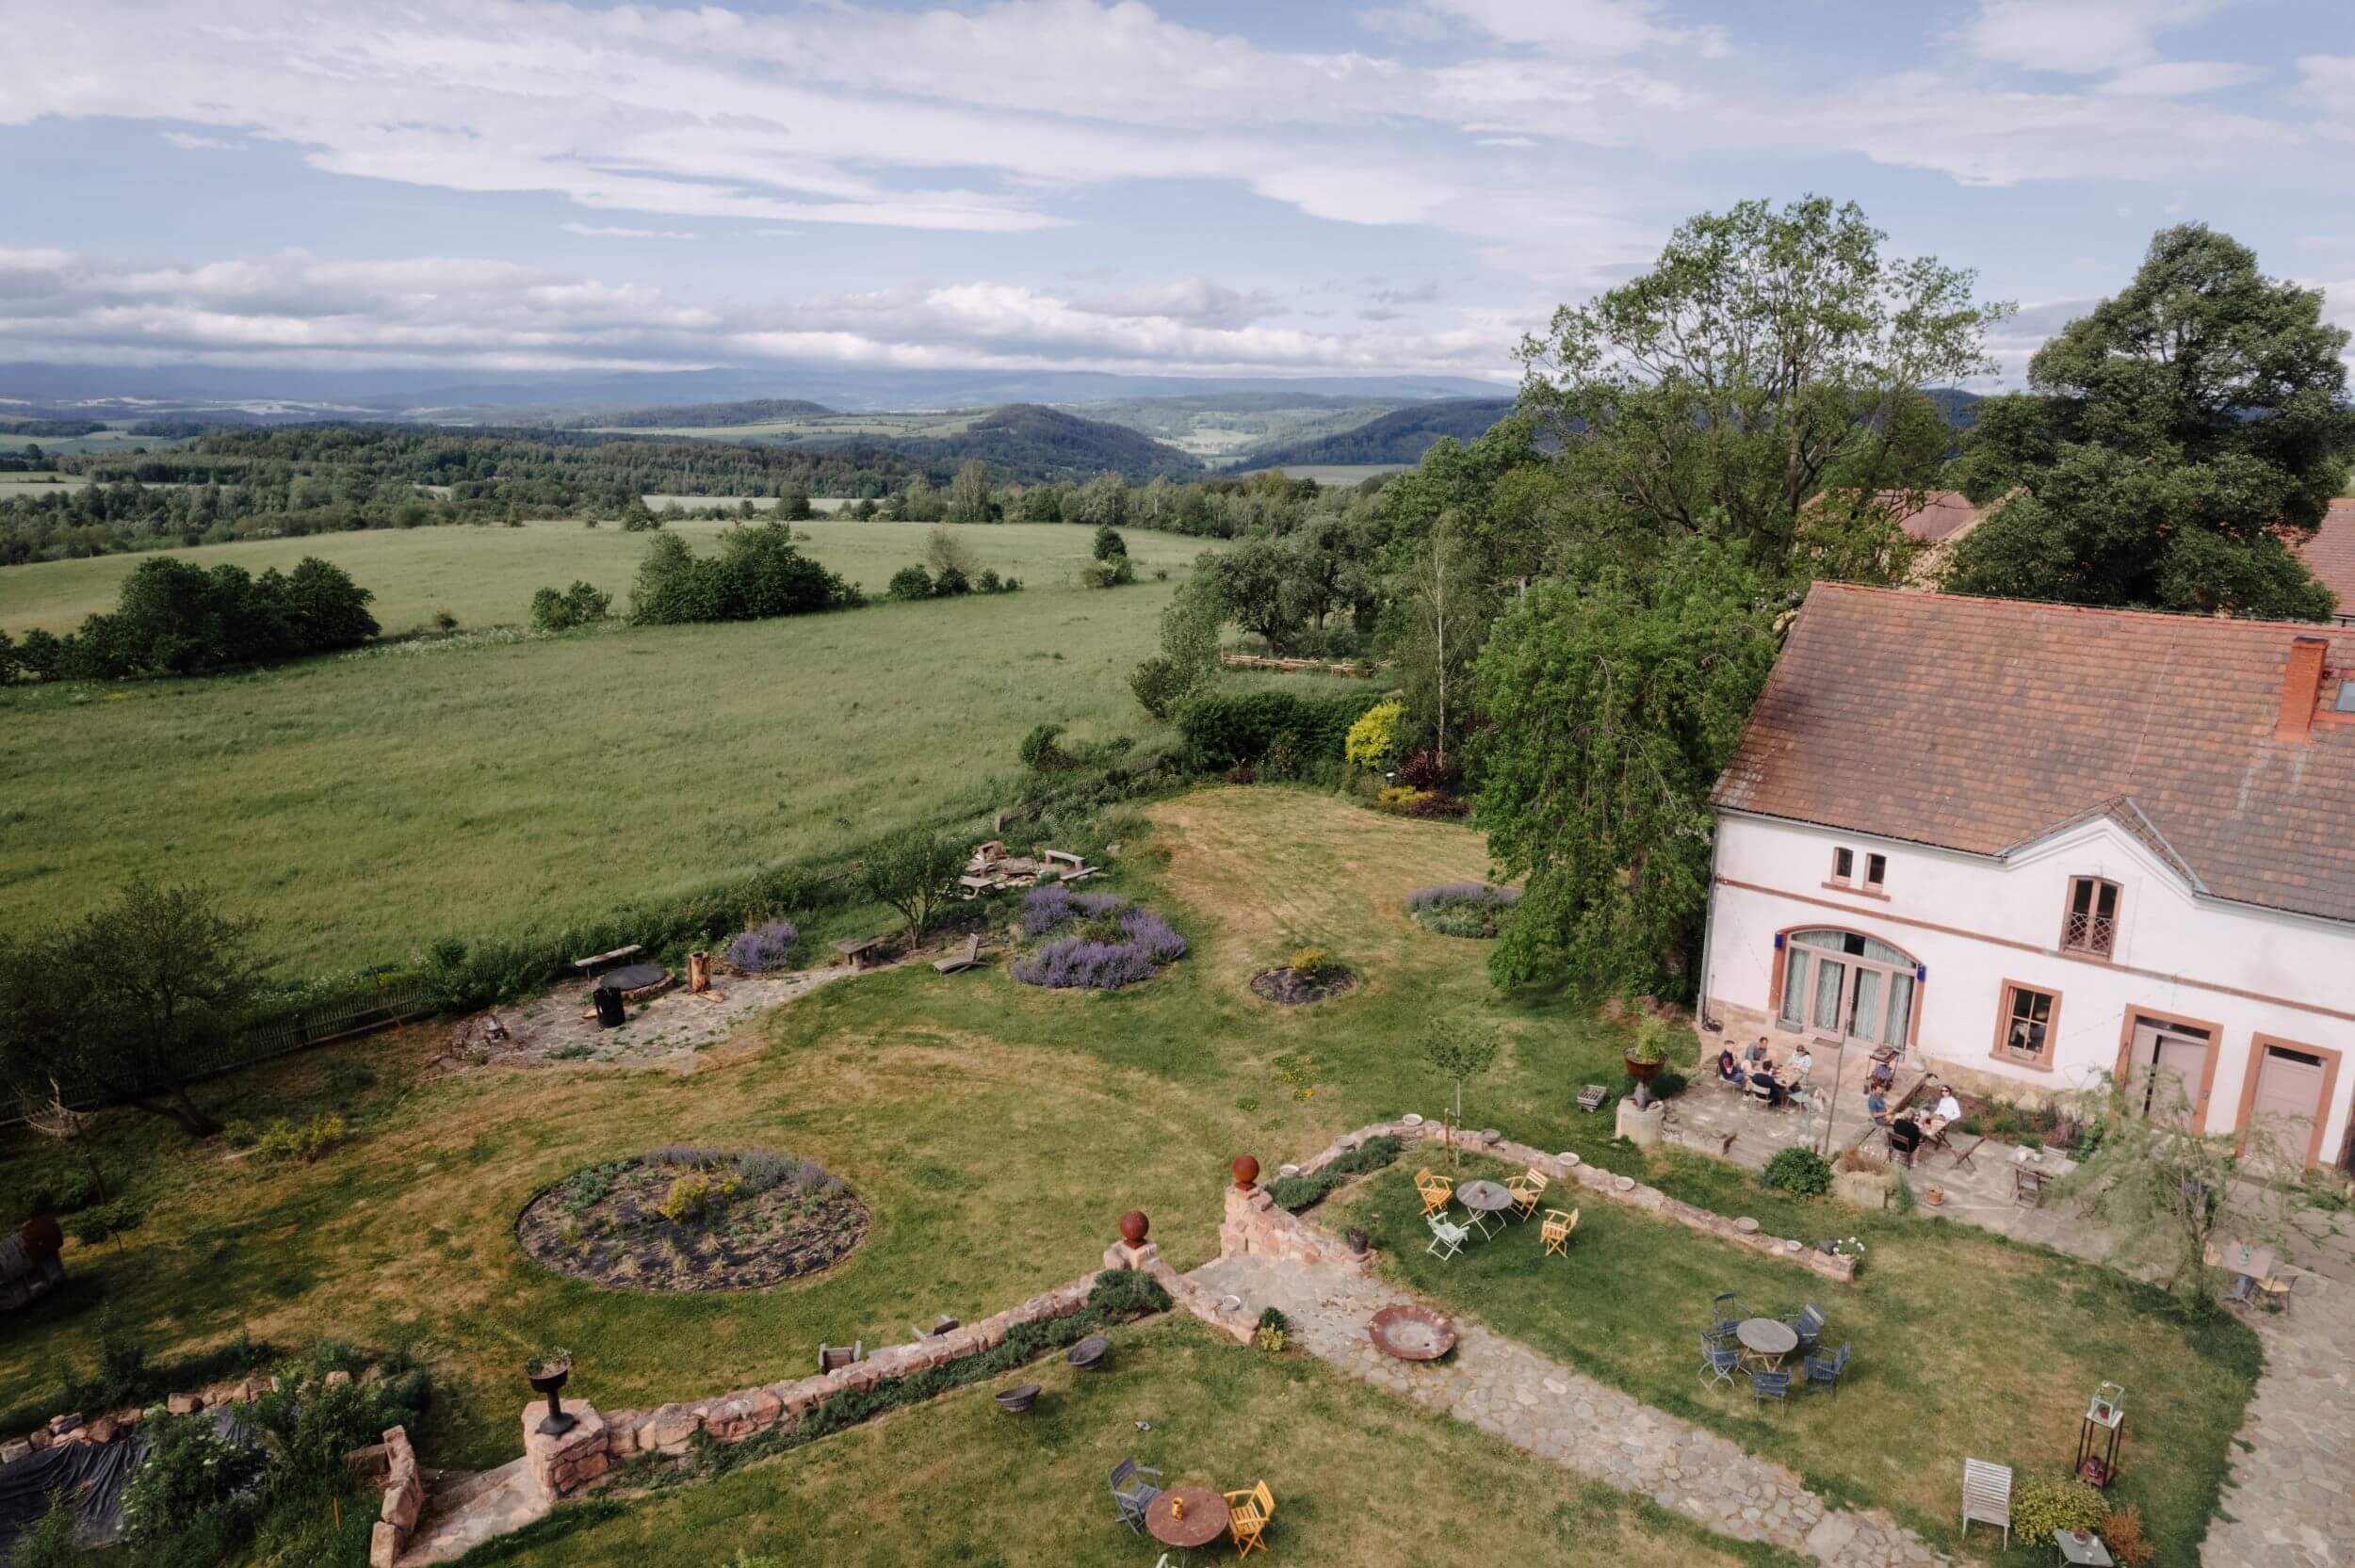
x=1286 y=988
x=751 y=1225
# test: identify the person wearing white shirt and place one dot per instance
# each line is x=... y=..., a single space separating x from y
x=1802 y=1063
x=1949 y=1108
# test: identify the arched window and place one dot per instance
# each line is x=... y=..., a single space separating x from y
x=1844 y=985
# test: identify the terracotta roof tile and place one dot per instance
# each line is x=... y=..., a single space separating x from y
x=1984 y=724
x=2329 y=554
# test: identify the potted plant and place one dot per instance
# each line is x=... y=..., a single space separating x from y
x=546 y=1372
x=1933 y=1196
x=1644 y=1058
x=1356 y=1241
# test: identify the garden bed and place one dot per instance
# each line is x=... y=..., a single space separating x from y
x=1091 y=941
x=1474 y=910
x=1290 y=987
x=689 y=1219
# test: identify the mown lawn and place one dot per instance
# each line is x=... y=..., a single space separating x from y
x=1964 y=1346
x=1358 y=1479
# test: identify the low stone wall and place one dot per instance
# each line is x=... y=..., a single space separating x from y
x=403 y=1499
x=117 y=1425
x=1255 y=1226
x=561 y=1466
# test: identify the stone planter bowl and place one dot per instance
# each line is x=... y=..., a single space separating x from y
x=1092 y=1354
x=1018 y=1399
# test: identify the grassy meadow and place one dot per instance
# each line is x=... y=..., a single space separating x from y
x=995 y=1132
x=485 y=576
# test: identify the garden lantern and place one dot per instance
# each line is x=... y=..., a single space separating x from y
x=2098 y=1439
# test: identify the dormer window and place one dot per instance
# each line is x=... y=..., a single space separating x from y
x=1843 y=866
x=2092 y=923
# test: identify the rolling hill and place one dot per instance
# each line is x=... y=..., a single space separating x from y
x=750 y=410
x=1401 y=436
x=1031 y=443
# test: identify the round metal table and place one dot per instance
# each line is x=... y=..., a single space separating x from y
x=1205 y=1520
x=1483 y=1199
x=631 y=976
x=1767 y=1340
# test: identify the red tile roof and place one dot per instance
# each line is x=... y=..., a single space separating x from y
x=2330 y=555
x=1944 y=515
x=1985 y=724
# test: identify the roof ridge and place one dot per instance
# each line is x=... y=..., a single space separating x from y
x=2185 y=618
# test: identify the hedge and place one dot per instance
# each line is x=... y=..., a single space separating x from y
x=1224 y=729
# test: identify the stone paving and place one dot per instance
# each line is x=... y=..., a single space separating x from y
x=667 y=1031
x=2291 y=1503
x=468 y=1511
x=1537 y=1404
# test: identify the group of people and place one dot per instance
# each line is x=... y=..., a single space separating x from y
x=1754 y=1071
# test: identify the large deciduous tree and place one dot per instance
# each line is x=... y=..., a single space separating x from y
x=1614 y=699
x=916 y=873
x=1768 y=357
x=2174 y=445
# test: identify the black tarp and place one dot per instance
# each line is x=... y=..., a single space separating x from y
x=93 y=1472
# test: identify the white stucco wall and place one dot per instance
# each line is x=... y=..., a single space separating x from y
x=1976 y=924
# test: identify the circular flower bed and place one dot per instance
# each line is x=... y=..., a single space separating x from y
x=1091 y=941
x=1462 y=909
x=1311 y=977
x=689 y=1218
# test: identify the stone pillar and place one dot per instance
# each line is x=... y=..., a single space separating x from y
x=561 y=1466
x=1641 y=1125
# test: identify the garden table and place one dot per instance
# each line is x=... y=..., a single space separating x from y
x=1204 y=1522
x=2247 y=1263
x=1483 y=1199
x=1768 y=1339
x=2082 y=1547
x=631 y=976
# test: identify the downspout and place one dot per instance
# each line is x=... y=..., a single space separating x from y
x=1709 y=925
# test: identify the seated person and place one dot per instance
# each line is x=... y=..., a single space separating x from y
x=1949 y=1108
x=1905 y=1134
x=1882 y=1075
x=1757 y=1053
x=1877 y=1104
x=1802 y=1063
x=1764 y=1080
x=1731 y=1071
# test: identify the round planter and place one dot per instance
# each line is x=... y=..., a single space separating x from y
x=1935 y=1196
x=1641 y=1071
x=1092 y=1354
x=1410 y=1120
x=1133 y=1226
x=1018 y=1400
x=549 y=1379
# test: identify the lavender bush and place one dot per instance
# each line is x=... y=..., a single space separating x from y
x=1462 y=909
x=764 y=947
x=1046 y=907
x=1084 y=962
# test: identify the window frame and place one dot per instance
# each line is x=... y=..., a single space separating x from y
x=2088 y=948
x=2001 y=1048
x=1876 y=880
x=1843 y=866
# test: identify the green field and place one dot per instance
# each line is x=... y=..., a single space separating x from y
x=485 y=576
x=362 y=805
x=101 y=441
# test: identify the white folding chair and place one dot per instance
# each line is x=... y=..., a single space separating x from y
x=1986 y=1496
x=1446 y=1234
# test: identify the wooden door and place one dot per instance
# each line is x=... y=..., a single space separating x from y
x=2168 y=1066
x=2288 y=1099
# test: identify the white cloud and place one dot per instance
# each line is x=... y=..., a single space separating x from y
x=2082 y=37
x=296 y=308
x=613 y=230
x=188 y=143
x=2177 y=78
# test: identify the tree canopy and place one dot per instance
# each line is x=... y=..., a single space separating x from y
x=2172 y=446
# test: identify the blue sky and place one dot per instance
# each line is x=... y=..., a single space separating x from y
x=1215 y=188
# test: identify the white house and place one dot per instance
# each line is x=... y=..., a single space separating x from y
x=2027 y=843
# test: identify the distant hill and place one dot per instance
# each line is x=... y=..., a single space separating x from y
x=1402 y=435
x=1030 y=443
x=750 y=410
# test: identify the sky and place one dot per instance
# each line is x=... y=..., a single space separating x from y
x=1285 y=188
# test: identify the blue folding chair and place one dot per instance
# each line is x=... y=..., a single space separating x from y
x=1827 y=1370
x=1770 y=1385
x=1720 y=1361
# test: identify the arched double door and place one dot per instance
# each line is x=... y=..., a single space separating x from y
x=1843 y=985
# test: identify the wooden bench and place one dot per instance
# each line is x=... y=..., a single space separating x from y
x=597 y=960
x=861 y=951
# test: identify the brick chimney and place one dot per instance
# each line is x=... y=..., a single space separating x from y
x=2301 y=687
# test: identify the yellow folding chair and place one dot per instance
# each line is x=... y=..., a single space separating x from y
x=1435 y=1191
x=1247 y=1516
x=1556 y=1231
x=1526 y=1189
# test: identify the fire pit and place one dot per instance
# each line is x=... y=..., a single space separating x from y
x=1411 y=1334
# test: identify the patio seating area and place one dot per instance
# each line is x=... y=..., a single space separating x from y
x=1189 y=1515
x=1739 y=1344
x=1486 y=1207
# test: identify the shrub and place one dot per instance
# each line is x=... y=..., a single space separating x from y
x=1224 y=728
x=1269 y=1340
x=1462 y=909
x=1651 y=1042
x=1428 y=769
x=1295 y=1193
x=1273 y=1318
x=766 y=947
x=910 y=583
x=578 y=605
x=691 y=1199
x=1109 y=545
x=1159 y=683
x=759 y=1169
x=758 y=573
x=1312 y=964
x=1108 y=574
x=1399 y=800
x=48 y=1542
x=191 y=1476
x=2042 y=1507
x=102 y=1221
x=1122 y=1293
x=173 y=618
x=283 y=1140
x=1432 y=803
x=1800 y=1171
x=1373 y=740
x=2122 y=1532
x=1042 y=751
